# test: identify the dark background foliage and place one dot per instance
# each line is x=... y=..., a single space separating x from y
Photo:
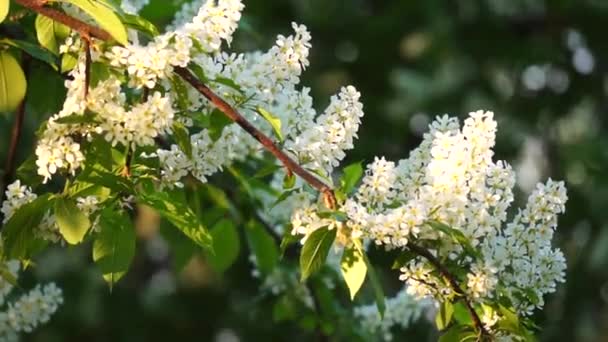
x=539 y=65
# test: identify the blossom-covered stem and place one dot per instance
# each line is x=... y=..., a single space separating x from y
x=9 y=165
x=452 y=282
x=77 y=25
x=235 y=116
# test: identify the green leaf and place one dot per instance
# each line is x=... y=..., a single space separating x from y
x=283 y=197
x=274 y=121
x=6 y=275
x=353 y=269
x=99 y=73
x=182 y=138
x=104 y=15
x=350 y=177
x=12 y=83
x=461 y=314
x=73 y=119
x=284 y=309
x=4 y=7
x=267 y=170
x=456 y=235
x=181 y=93
x=72 y=222
x=226 y=244
x=315 y=250
x=229 y=83
x=403 y=259
x=33 y=50
x=140 y=24
x=289 y=181
x=181 y=247
x=18 y=232
x=288 y=240
x=458 y=333
x=28 y=172
x=263 y=247
x=50 y=33
x=68 y=62
x=114 y=245
x=376 y=284
x=444 y=315
x=174 y=208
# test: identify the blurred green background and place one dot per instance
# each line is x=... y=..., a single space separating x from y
x=541 y=66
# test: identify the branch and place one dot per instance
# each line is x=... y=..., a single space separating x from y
x=291 y=165
x=452 y=282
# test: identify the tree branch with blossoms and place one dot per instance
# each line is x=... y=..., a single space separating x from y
x=181 y=89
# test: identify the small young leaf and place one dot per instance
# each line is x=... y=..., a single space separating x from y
x=50 y=33
x=114 y=246
x=315 y=250
x=226 y=244
x=350 y=177
x=353 y=269
x=4 y=7
x=104 y=15
x=444 y=315
x=68 y=62
x=72 y=222
x=12 y=82
x=289 y=181
x=73 y=119
x=263 y=247
x=182 y=138
x=140 y=24
x=274 y=121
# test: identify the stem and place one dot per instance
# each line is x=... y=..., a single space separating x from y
x=452 y=282
x=235 y=116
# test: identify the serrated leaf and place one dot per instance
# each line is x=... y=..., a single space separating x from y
x=72 y=222
x=114 y=245
x=351 y=175
x=33 y=50
x=104 y=15
x=4 y=7
x=176 y=210
x=444 y=315
x=263 y=247
x=50 y=33
x=182 y=138
x=226 y=244
x=315 y=250
x=12 y=82
x=353 y=269
x=274 y=121
x=18 y=231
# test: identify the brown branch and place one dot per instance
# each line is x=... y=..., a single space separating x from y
x=234 y=115
x=452 y=282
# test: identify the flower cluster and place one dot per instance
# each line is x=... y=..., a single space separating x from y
x=27 y=311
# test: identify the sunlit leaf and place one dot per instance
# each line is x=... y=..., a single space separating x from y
x=274 y=121
x=50 y=33
x=353 y=269
x=105 y=16
x=4 y=7
x=12 y=82
x=72 y=222
x=315 y=250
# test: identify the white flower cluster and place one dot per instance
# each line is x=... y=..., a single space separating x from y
x=214 y=23
x=27 y=311
x=402 y=310
x=451 y=179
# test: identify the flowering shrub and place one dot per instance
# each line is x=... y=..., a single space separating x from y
x=148 y=118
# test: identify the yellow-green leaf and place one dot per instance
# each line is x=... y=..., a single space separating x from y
x=315 y=251
x=4 y=6
x=104 y=16
x=12 y=82
x=353 y=269
x=273 y=121
x=73 y=223
x=49 y=32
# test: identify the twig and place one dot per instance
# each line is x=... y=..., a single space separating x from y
x=452 y=282
x=92 y=31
